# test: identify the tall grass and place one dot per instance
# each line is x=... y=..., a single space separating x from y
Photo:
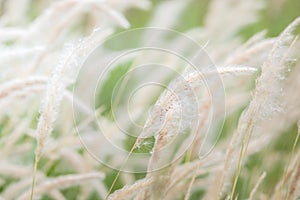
x=62 y=136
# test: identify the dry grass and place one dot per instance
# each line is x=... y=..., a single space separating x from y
x=243 y=112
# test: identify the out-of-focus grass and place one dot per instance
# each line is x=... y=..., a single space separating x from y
x=274 y=18
x=106 y=90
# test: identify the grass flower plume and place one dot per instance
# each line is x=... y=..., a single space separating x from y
x=149 y=99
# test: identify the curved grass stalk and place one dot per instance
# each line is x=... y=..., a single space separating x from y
x=48 y=113
x=191 y=78
x=291 y=193
x=285 y=37
x=121 y=168
x=128 y=191
x=62 y=182
x=260 y=179
x=18 y=85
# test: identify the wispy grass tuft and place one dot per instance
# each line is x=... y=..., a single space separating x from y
x=157 y=133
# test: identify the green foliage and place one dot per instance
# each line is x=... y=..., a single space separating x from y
x=196 y=195
x=110 y=176
x=273 y=18
x=284 y=143
x=71 y=192
x=104 y=97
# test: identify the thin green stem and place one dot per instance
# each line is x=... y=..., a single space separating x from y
x=34 y=176
x=121 y=168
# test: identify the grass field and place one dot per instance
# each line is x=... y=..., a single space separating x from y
x=141 y=99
